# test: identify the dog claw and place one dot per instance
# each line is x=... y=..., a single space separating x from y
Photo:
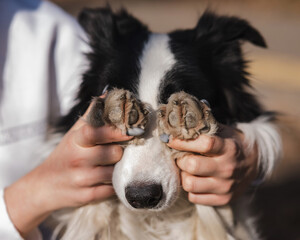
x=160 y=114
x=121 y=109
x=135 y=131
x=205 y=102
x=105 y=89
x=164 y=137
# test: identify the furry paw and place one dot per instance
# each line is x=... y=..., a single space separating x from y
x=185 y=117
x=120 y=108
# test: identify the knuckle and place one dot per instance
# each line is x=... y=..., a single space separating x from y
x=229 y=170
x=87 y=132
x=226 y=168
x=116 y=152
x=232 y=145
x=79 y=180
x=233 y=148
x=226 y=188
x=193 y=199
x=208 y=145
x=223 y=199
x=87 y=197
x=188 y=184
x=192 y=165
x=75 y=162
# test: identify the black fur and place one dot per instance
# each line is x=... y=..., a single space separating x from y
x=211 y=66
x=210 y=62
x=116 y=42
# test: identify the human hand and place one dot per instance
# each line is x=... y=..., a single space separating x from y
x=218 y=168
x=76 y=173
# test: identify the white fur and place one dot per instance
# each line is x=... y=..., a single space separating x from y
x=182 y=220
x=174 y=217
x=139 y=163
x=156 y=60
x=150 y=162
x=264 y=134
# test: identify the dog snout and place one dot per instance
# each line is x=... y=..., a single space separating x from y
x=144 y=195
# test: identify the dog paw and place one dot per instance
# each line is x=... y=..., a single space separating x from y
x=120 y=108
x=185 y=117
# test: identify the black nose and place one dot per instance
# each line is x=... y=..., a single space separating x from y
x=144 y=195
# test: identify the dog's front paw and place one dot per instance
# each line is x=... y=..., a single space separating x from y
x=120 y=108
x=186 y=117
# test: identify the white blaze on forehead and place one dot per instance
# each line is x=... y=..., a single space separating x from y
x=156 y=60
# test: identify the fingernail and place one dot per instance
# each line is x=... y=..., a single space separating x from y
x=205 y=102
x=135 y=131
x=164 y=138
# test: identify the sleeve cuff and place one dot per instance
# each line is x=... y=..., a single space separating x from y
x=7 y=229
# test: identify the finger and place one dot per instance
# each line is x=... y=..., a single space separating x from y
x=210 y=199
x=197 y=165
x=206 y=185
x=102 y=192
x=203 y=144
x=87 y=136
x=82 y=120
x=232 y=149
x=92 y=177
x=96 y=193
x=102 y=155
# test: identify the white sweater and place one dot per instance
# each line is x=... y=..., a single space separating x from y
x=40 y=66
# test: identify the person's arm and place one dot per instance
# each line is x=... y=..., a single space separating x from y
x=73 y=175
x=53 y=58
x=7 y=229
x=221 y=167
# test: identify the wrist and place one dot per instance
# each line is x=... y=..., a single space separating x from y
x=24 y=204
x=251 y=155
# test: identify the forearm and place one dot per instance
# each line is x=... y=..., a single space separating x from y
x=7 y=228
x=24 y=204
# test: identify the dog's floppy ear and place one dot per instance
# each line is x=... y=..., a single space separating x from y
x=218 y=39
x=102 y=24
x=227 y=29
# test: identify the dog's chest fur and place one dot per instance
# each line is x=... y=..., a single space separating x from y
x=112 y=220
x=166 y=225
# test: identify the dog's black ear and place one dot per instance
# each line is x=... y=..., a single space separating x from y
x=127 y=24
x=218 y=41
x=227 y=29
x=102 y=23
x=97 y=22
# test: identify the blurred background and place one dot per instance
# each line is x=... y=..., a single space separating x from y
x=275 y=75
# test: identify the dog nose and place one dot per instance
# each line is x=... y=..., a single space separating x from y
x=144 y=195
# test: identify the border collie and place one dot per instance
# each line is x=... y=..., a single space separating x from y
x=156 y=83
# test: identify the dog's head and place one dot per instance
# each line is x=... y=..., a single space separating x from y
x=205 y=61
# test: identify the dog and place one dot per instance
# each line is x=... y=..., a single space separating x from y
x=181 y=84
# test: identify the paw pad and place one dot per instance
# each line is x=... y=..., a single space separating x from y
x=185 y=117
